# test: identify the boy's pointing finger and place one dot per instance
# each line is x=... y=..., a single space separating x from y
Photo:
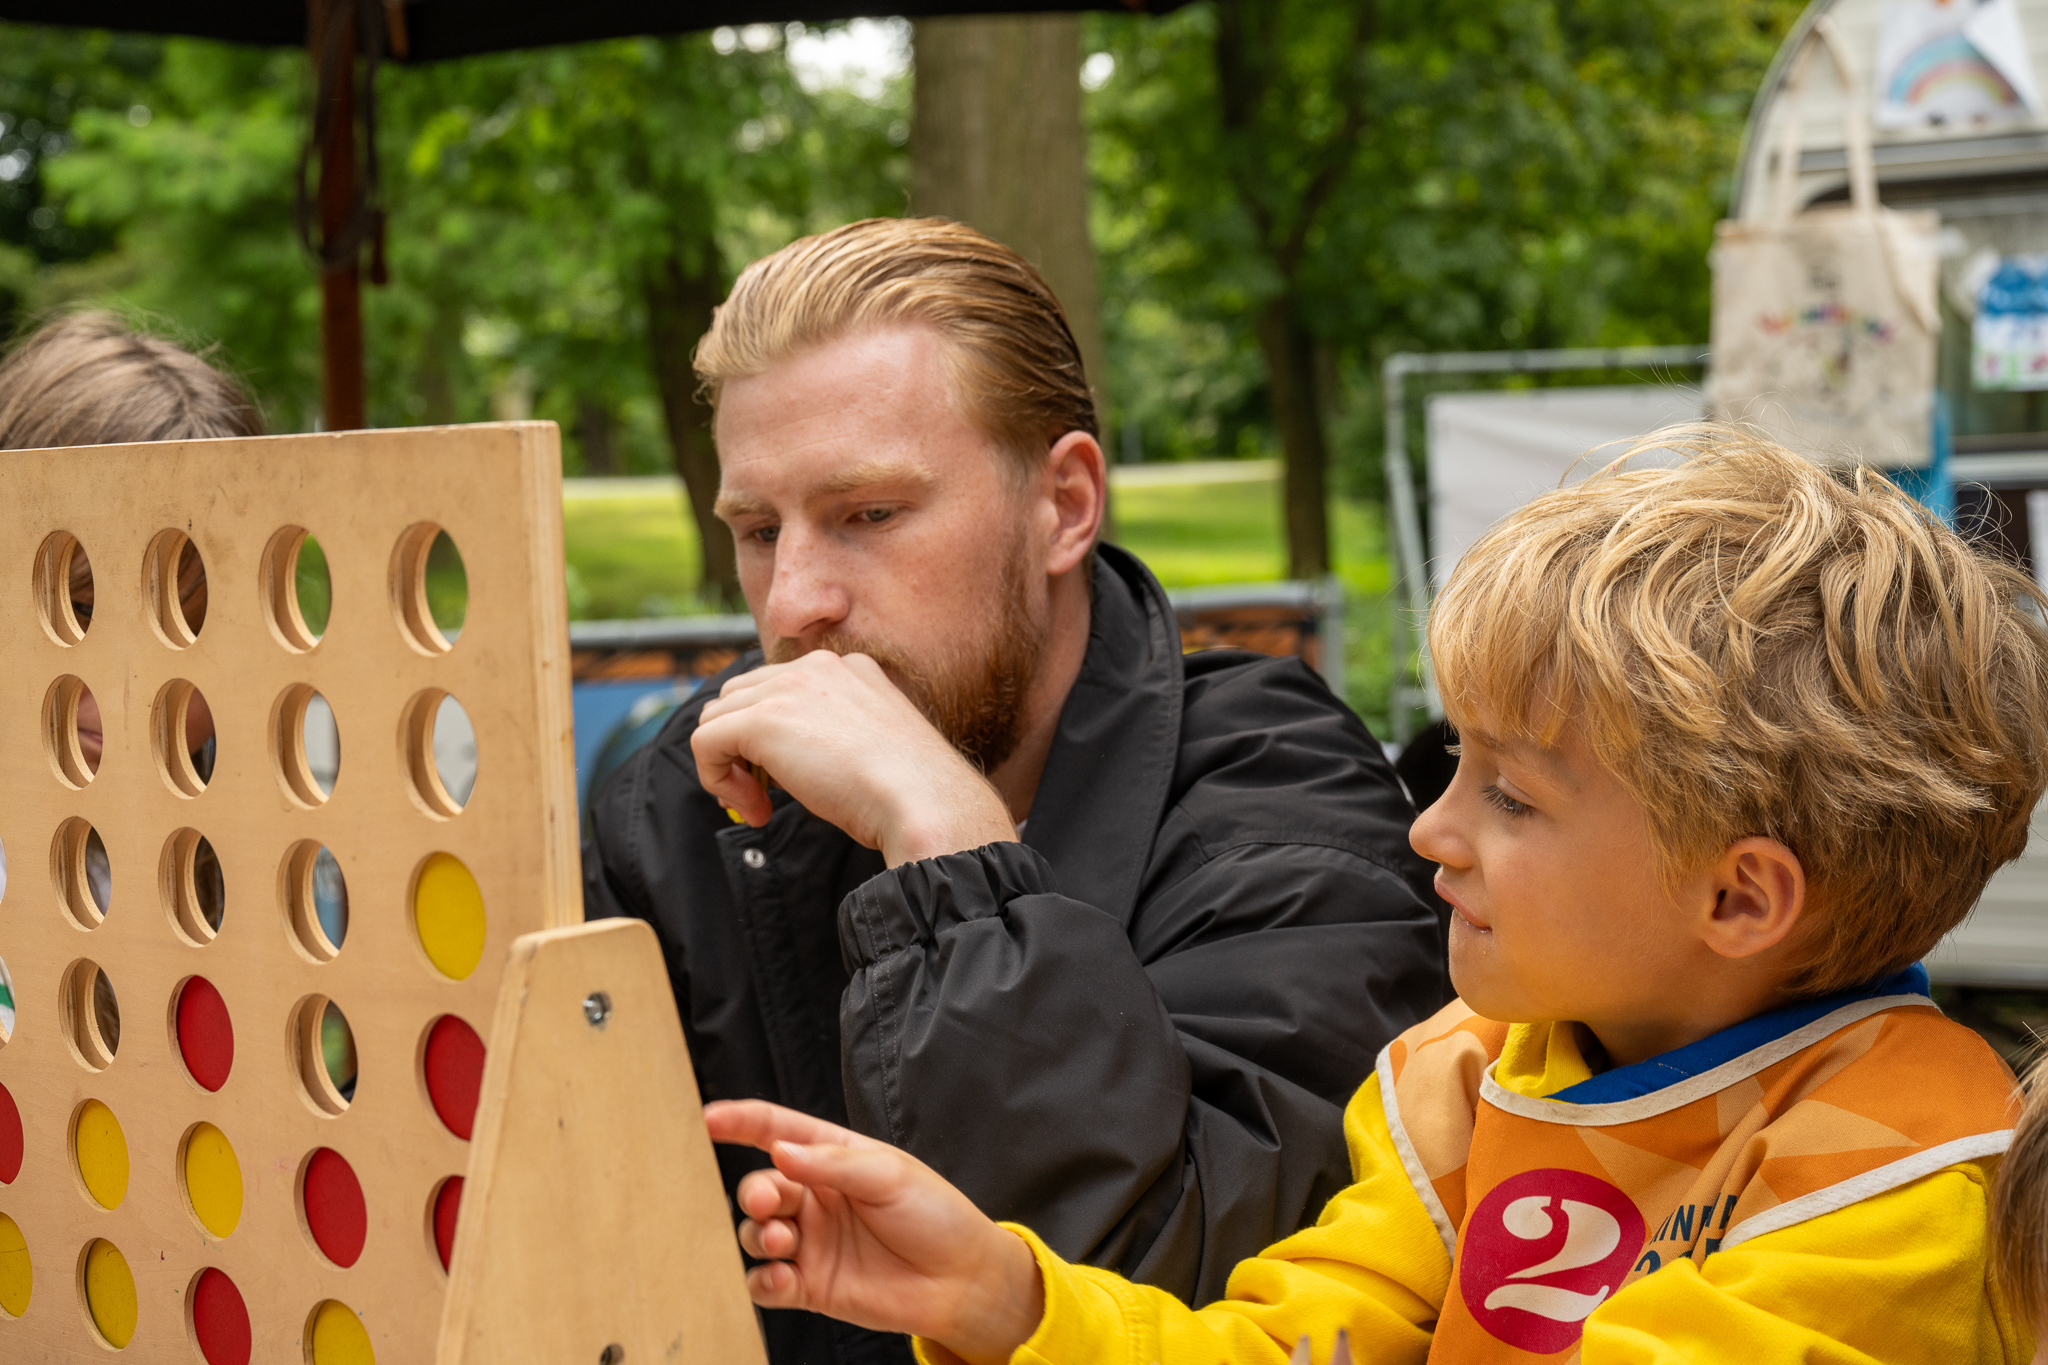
x=757 y=1123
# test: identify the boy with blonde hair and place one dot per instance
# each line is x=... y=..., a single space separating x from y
x=1741 y=741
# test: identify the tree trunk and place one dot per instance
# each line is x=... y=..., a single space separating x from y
x=1290 y=354
x=682 y=286
x=996 y=142
x=595 y=426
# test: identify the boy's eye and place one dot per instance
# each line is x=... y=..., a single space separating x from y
x=767 y=534
x=1502 y=802
x=874 y=516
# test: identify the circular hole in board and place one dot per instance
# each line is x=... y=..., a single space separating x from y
x=181 y=737
x=315 y=900
x=204 y=1034
x=174 y=586
x=107 y=1288
x=429 y=588
x=336 y=1336
x=331 y=1199
x=91 y=1015
x=63 y=588
x=99 y=1153
x=218 y=1319
x=7 y=1015
x=193 y=888
x=74 y=733
x=453 y=1064
x=17 y=1272
x=448 y=915
x=325 y=1051
x=305 y=744
x=442 y=1211
x=298 y=592
x=212 y=1179
x=12 y=1145
x=82 y=872
x=438 y=746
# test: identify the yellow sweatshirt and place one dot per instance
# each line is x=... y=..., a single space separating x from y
x=1899 y=1276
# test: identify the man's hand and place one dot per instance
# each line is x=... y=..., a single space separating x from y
x=859 y=1231
x=844 y=741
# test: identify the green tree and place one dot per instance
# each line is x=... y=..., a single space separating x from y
x=561 y=224
x=1287 y=190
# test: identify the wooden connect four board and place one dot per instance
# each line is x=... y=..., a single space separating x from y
x=217 y=1107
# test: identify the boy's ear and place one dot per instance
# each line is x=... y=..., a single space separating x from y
x=1759 y=893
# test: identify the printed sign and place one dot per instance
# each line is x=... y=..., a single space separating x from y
x=2009 y=338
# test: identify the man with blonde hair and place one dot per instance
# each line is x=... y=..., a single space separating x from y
x=1104 y=934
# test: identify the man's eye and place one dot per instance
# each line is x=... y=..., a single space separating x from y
x=1502 y=802
x=767 y=534
x=874 y=516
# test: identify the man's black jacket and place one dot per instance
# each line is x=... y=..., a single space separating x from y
x=1135 y=1031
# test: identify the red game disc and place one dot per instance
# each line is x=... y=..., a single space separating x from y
x=220 y=1320
x=447 y=1201
x=455 y=1073
x=206 y=1038
x=335 y=1212
x=10 y=1138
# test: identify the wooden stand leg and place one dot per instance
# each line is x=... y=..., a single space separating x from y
x=594 y=1228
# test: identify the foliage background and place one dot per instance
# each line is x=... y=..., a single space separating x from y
x=1521 y=173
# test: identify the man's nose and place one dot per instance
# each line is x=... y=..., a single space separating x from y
x=806 y=596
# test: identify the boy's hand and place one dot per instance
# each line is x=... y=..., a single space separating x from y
x=863 y=1232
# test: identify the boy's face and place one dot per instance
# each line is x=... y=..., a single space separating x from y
x=1558 y=911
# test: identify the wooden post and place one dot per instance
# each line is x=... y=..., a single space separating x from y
x=341 y=288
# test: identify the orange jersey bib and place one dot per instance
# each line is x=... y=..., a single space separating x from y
x=1549 y=1207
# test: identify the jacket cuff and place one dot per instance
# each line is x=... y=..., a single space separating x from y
x=1082 y=1320
x=915 y=902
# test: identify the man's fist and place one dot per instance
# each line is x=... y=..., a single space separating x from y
x=846 y=743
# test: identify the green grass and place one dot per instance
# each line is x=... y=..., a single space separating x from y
x=631 y=556
x=637 y=556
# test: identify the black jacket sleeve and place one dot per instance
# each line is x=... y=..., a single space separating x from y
x=1179 y=1090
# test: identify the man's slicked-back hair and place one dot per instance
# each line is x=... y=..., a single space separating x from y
x=1756 y=645
x=88 y=379
x=1010 y=353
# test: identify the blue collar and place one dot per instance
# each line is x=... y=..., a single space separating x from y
x=1682 y=1063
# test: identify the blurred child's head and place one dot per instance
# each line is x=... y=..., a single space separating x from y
x=2019 y=1205
x=1744 y=713
x=88 y=379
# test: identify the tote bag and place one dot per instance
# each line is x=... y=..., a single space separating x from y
x=1825 y=321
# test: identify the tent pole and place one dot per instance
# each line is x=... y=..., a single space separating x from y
x=341 y=287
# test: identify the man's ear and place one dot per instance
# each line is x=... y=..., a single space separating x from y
x=1759 y=892
x=1079 y=485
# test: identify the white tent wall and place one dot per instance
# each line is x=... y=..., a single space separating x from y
x=1489 y=453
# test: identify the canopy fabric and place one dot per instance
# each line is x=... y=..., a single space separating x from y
x=440 y=29
x=1491 y=452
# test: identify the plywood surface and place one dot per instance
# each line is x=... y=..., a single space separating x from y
x=594 y=1227
x=495 y=490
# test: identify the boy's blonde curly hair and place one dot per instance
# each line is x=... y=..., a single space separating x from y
x=1756 y=645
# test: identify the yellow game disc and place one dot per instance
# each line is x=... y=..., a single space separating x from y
x=101 y=1151
x=213 y=1180
x=339 y=1337
x=110 y=1293
x=17 y=1279
x=448 y=914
